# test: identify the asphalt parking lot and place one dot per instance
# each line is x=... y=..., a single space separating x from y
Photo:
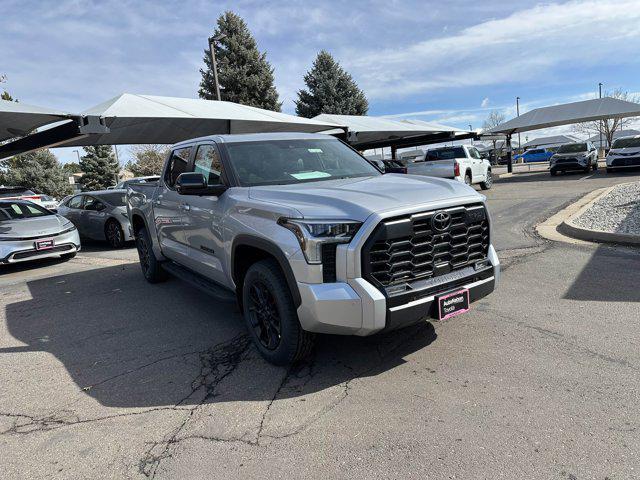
x=106 y=376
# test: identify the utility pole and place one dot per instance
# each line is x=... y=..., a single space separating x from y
x=78 y=154
x=214 y=65
x=518 y=113
x=471 y=130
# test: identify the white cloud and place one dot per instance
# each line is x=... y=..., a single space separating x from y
x=527 y=43
x=485 y=102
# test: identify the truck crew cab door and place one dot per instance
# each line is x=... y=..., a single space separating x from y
x=204 y=232
x=171 y=209
x=477 y=165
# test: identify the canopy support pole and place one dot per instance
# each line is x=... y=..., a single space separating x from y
x=509 y=155
x=394 y=152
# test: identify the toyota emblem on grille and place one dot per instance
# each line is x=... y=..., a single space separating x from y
x=441 y=221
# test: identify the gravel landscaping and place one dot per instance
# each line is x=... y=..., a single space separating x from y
x=616 y=212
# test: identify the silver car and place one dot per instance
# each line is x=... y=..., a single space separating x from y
x=100 y=215
x=29 y=232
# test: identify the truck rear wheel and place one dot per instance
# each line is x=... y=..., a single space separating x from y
x=488 y=181
x=271 y=315
x=151 y=267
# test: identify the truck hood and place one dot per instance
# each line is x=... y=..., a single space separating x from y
x=33 y=227
x=357 y=198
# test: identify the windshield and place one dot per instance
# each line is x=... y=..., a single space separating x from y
x=626 y=143
x=573 y=148
x=446 y=153
x=19 y=210
x=284 y=162
x=117 y=199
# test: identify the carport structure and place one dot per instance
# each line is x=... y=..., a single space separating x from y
x=365 y=132
x=141 y=119
x=566 y=114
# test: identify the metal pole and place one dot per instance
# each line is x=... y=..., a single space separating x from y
x=212 y=52
x=518 y=113
x=471 y=130
x=509 y=155
x=601 y=124
x=78 y=154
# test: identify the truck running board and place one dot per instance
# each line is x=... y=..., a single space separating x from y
x=198 y=281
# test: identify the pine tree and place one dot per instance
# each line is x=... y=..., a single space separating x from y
x=330 y=90
x=244 y=74
x=100 y=167
x=40 y=171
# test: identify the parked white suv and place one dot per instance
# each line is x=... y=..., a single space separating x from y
x=624 y=153
x=460 y=162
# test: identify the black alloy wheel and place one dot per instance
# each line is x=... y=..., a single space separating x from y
x=264 y=316
x=114 y=234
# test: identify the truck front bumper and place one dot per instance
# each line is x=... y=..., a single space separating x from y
x=357 y=307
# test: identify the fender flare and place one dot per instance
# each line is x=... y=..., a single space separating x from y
x=275 y=251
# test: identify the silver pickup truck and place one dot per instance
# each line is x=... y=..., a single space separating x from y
x=308 y=237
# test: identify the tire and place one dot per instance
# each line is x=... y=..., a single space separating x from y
x=467 y=178
x=486 y=185
x=68 y=256
x=271 y=316
x=553 y=172
x=113 y=234
x=151 y=267
x=610 y=170
x=595 y=167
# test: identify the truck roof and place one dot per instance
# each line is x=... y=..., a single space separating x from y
x=258 y=137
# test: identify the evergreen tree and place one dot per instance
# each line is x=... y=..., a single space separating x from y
x=244 y=74
x=149 y=160
x=330 y=90
x=100 y=167
x=40 y=171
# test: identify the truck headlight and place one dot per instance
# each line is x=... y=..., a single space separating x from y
x=311 y=234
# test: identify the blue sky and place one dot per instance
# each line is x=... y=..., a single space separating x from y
x=450 y=62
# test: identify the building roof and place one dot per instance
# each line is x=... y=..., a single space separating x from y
x=551 y=141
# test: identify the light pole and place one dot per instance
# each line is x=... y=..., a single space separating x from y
x=214 y=65
x=78 y=154
x=518 y=114
x=471 y=130
x=600 y=95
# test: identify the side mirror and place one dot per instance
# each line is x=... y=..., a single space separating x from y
x=193 y=183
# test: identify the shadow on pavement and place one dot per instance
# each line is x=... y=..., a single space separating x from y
x=610 y=276
x=127 y=343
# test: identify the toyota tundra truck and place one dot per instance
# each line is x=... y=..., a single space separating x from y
x=310 y=238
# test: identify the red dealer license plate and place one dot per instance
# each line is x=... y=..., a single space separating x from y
x=44 y=244
x=453 y=304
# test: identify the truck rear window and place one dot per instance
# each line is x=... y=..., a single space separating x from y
x=446 y=153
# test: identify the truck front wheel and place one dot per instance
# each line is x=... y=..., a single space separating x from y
x=271 y=315
x=151 y=268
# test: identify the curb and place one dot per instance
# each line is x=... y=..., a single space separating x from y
x=561 y=227
x=570 y=228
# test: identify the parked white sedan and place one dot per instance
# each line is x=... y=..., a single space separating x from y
x=29 y=231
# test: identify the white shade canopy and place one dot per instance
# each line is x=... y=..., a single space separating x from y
x=18 y=119
x=141 y=119
x=367 y=131
x=569 y=113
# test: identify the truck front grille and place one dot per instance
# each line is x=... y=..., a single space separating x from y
x=419 y=246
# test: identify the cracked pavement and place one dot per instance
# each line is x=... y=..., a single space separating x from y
x=106 y=376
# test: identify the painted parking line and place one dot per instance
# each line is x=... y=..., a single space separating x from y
x=588 y=176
